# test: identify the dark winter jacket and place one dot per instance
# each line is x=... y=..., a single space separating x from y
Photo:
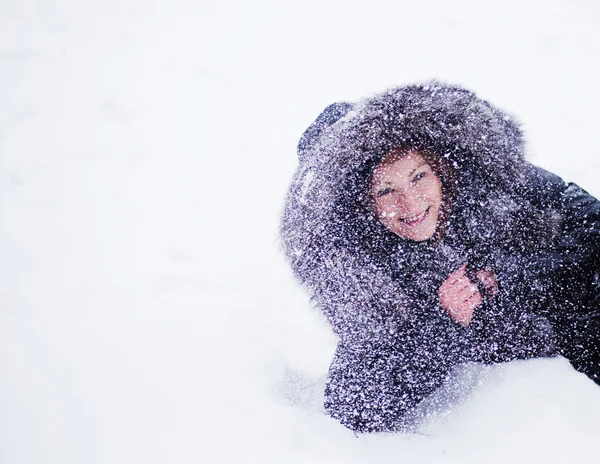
x=538 y=234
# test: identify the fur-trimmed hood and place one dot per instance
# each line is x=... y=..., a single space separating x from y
x=361 y=295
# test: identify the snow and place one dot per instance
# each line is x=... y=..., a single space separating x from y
x=145 y=150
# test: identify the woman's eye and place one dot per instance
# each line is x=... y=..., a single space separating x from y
x=419 y=176
x=383 y=192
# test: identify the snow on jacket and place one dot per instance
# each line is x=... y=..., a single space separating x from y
x=379 y=291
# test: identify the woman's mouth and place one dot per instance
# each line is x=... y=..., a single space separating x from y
x=412 y=220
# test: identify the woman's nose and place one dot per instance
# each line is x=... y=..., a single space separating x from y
x=409 y=200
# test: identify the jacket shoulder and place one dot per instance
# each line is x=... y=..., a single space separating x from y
x=542 y=188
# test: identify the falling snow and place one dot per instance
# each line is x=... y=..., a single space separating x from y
x=148 y=313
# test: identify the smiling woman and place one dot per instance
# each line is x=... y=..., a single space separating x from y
x=428 y=241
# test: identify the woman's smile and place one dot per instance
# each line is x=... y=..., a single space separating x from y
x=417 y=219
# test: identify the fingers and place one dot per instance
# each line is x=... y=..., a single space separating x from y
x=474 y=300
x=459 y=296
x=463 y=285
x=459 y=288
x=468 y=295
x=463 y=312
x=459 y=276
x=488 y=280
x=458 y=281
x=461 y=307
x=484 y=277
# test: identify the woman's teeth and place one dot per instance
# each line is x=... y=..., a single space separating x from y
x=415 y=218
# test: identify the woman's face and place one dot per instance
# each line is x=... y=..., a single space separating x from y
x=407 y=194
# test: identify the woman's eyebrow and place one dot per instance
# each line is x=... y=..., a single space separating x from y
x=411 y=172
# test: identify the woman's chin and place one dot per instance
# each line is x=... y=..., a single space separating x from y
x=422 y=237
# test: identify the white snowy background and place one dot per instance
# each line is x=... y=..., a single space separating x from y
x=146 y=312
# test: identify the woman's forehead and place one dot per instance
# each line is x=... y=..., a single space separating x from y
x=398 y=164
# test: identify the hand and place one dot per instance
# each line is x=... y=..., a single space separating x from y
x=488 y=280
x=459 y=296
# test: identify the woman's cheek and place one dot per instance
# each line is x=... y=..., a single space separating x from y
x=386 y=210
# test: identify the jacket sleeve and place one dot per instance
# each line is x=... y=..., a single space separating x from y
x=375 y=387
x=579 y=212
x=500 y=332
x=565 y=280
x=558 y=273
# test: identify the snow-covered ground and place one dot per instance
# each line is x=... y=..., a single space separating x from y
x=146 y=312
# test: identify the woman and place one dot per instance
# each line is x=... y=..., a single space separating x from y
x=428 y=241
